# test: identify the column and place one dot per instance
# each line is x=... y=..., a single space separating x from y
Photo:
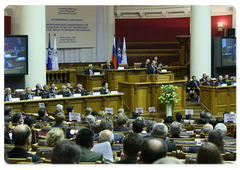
x=111 y=30
x=32 y=23
x=200 y=40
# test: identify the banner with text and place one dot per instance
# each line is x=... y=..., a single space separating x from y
x=74 y=26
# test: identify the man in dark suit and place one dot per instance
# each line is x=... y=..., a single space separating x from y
x=30 y=95
x=195 y=84
x=204 y=77
x=64 y=88
x=42 y=115
x=38 y=89
x=59 y=118
x=29 y=120
x=160 y=130
x=152 y=69
x=108 y=65
x=79 y=88
x=226 y=77
x=149 y=128
x=105 y=86
x=85 y=139
x=22 y=138
x=156 y=61
x=208 y=82
x=8 y=94
x=122 y=123
x=53 y=90
x=220 y=81
x=90 y=70
x=131 y=147
x=145 y=64
x=70 y=89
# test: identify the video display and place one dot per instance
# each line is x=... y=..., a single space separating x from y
x=228 y=51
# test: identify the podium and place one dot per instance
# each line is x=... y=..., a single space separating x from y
x=218 y=99
x=163 y=77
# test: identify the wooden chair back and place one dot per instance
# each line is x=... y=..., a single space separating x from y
x=16 y=160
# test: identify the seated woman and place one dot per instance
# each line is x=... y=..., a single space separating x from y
x=194 y=87
x=54 y=136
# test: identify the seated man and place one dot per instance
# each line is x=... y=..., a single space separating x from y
x=96 y=128
x=145 y=64
x=17 y=118
x=70 y=89
x=175 y=129
x=88 y=111
x=149 y=128
x=202 y=115
x=122 y=123
x=45 y=88
x=107 y=123
x=134 y=115
x=204 y=77
x=38 y=89
x=207 y=128
x=201 y=121
x=151 y=150
x=167 y=160
x=42 y=115
x=226 y=77
x=105 y=86
x=106 y=136
x=85 y=139
x=152 y=69
x=208 y=117
x=169 y=119
x=79 y=88
x=69 y=109
x=220 y=81
x=223 y=128
x=8 y=94
x=59 y=118
x=30 y=94
x=131 y=147
x=179 y=117
x=208 y=82
x=8 y=113
x=22 y=138
x=59 y=108
x=108 y=65
x=53 y=90
x=213 y=121
x=160 y=130
x=137 y=126
x=64 y=88
x=29 y=120
x=90 y=70
x=89 y=120
x=66 y=152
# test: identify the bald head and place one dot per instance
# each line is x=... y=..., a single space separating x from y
x=207 y=128
x=106 y=135
x=21 y=135
x=168 y=160
x=98 y=121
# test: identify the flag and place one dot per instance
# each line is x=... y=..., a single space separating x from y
x=55 y=57
x=114 y=54
x=49 y=63
x=119 y=53
x=124 y=53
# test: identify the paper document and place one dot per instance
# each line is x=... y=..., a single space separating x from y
x=105 y=149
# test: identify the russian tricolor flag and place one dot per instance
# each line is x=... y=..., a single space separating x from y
x=114 y=54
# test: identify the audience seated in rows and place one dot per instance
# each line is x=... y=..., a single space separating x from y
x=66 y=152
x=202 y=116
x=54 y=136
x=22 y=138
x=122 y=124
x=59 y=118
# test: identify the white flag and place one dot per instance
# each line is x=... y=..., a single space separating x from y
x=55 y=57
x=124 y=52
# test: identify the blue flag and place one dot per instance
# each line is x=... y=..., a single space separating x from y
x=119 y=53
x=49 y=55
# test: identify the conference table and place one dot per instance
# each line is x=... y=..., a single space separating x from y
x=96 y=102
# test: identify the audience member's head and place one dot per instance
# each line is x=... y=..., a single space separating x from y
x=66 y=152
x=160 y=130
x=216 y=137
x=41 y=112
x=175 y=128
x=221 y=127
x=142 y=119
x=29 y=120
x=208 y=115
x=106 y=136
x=54 y=136
x=122 y=119
x=94 y=113
x=169 y=119
x=120 y=111
x=90 y=119
x=88 y=111
x=137 y=126
x=101 y=113
x=168 y=160
x=220 y=78
x=8 y=110
x=132 y=145
x=178 y=116
x=85 y=137
x=59 y=108
x=17 y=118
x=38 y=86
x=213 y=121
x=149 y=126
x=21 y=135
x=201 y=121
x=203 y=114
x=220 y=120
x=70 y=109
x=59 y=118
x=106 y=123
x=152 y=149
x=208 y=153
x=96 y=126
x=64 y=88
x=207 y=128
x=134 y=115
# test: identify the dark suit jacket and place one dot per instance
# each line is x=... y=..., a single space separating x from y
x=53 y=93
x=70 y=90
x=172 y=147
x=68 y=134
x=106 y=67
x=127 y=161
x=77 y=91
x=90 y=156
x=5 y=96
x=118 y=137
x=22 y=153
x=202 y=79
x=176 y=136
x=36 y=94
x=43 y=119
x=7 y=119
x=150 y=70
x=206 y=83
x=193 y=85
x=145 y=136
x=219 y=83
x=120 y=128
x=144 y=65
x=228 y=138
x=87 y=71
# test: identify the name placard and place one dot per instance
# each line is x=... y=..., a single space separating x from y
x=108 y=110
x=151 y=109
x=97 y=73
x=114 y=92
x=188 y=112
x=37 y=97
x=16 y=99
x=59 y=96
x=96 y=93
x=224 y=84
x=41 y=105
x=120 y=68
x=139 y=110
x=75 y=116
x=77 y=95
x=229 y=118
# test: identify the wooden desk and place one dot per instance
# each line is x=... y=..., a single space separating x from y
x=145 y=94
x=97 y=103
x=91 y=81
x=218 y=99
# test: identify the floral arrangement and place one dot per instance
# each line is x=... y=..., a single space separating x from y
x=168 y=94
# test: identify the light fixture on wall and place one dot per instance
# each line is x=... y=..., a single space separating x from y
x=220 y=27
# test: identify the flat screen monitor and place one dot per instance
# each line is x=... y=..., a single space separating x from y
x=84 y=92
x=65 y=93
x=24 y=97
x=44 y=95
x=15 y=55
x=103 y=91
x=228 y=51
